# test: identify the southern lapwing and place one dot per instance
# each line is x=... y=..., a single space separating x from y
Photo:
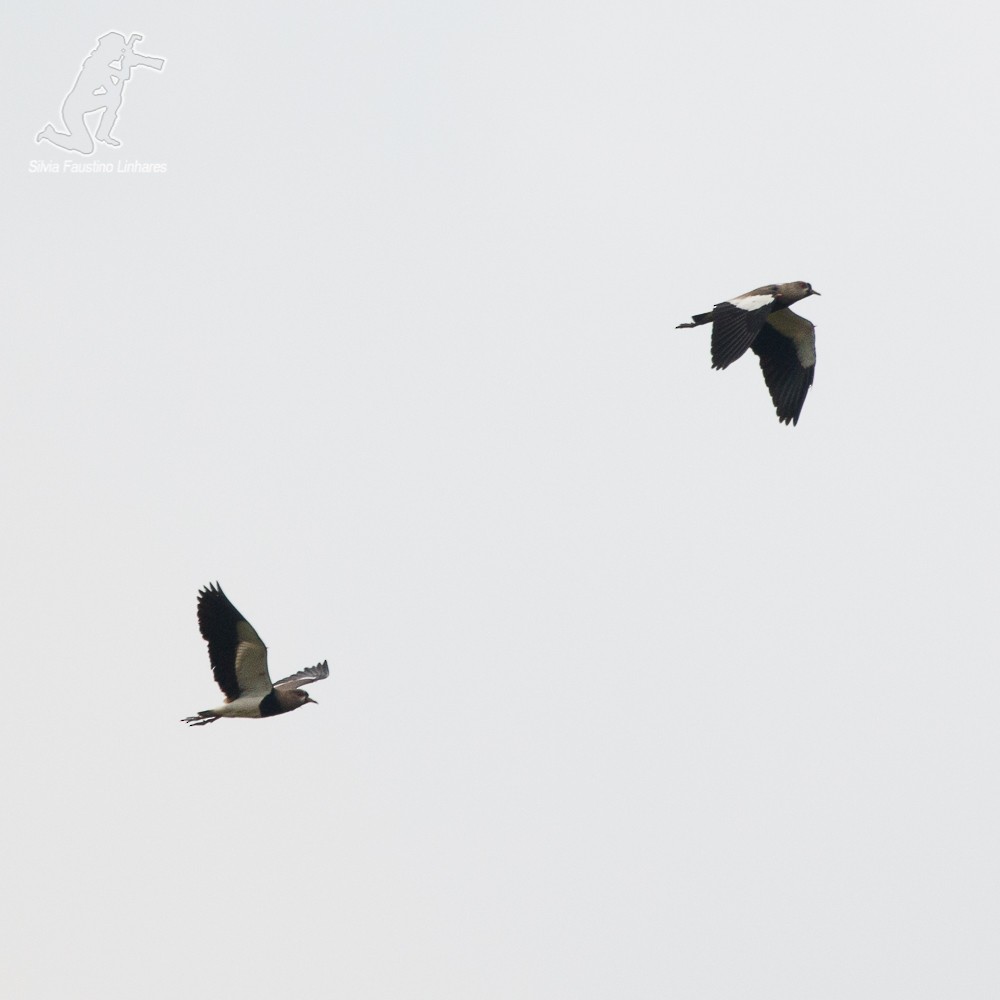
x=239 y=663
x=784 y=341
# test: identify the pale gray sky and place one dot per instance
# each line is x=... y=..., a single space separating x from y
x=635 y=692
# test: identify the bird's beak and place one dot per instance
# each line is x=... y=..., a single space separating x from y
x=310 y=699
x=815 y=292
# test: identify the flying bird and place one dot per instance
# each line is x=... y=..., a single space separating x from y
x=784 y=341
x=239 y=663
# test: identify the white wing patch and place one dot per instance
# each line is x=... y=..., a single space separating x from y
x=751 y=302
x=251 y=668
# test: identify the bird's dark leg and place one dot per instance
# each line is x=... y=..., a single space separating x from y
x=201 y=719
x=698 y=320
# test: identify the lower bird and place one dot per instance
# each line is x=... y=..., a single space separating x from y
x=239 y=663
x=784 y=341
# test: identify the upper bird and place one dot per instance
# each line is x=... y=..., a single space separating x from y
x=784 y=341
x=239 y=663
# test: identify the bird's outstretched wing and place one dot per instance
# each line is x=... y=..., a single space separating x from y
x=737 y=323
x=318 y=673
x=786 y=346
x=238 y=656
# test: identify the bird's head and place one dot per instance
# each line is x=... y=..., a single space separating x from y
x=794 y=291
x=301 y=697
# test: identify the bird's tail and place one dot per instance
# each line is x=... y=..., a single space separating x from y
x=698 y=320
x=202 y=718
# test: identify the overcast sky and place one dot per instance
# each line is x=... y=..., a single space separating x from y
x=635 y=692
